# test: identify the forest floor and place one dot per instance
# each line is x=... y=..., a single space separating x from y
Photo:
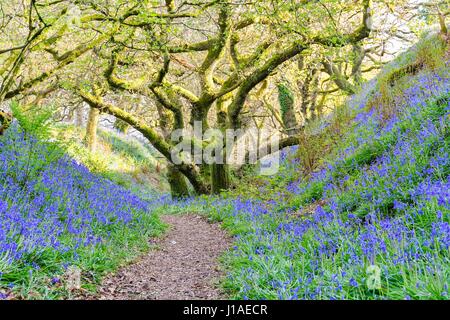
x=183 y=265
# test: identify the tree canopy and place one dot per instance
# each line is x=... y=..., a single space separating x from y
x=157 y=66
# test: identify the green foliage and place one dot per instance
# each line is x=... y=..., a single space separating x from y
x=117 y=157
x=364 y=155
x=67 y=192
x=123 y=247
x=379 y=160
x=431 y=51
x=285 y=98
x=311 y=150
x=270 y=254
x=35 y=124
x=33 y=120
x=128 y=147
x=427 y=54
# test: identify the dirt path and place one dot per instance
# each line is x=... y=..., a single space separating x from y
x=184 y=265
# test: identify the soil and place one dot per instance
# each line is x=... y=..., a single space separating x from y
x=184 y=265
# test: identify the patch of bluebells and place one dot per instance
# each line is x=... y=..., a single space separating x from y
x=370 y=126
x=392 y=212
x=51 y=204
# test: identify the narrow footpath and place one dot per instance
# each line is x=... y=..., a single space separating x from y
x=183 y=265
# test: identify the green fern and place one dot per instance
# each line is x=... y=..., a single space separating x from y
x=34 y=121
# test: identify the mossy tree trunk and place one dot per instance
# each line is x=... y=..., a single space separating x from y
x=220 y=174
x=287 y=108
x=308 y=90
x=156 y=139
x=249 y=71
x=91 y=128
x=358 y=58
x=339 y=78
x=121 y=126
x=177 y=181
x=79 y=116
x=5 y=121
x=220 y=178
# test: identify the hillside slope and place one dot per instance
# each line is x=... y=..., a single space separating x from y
x=57 y=220
x=119 y=157
x=369 y=219
x=359 y=210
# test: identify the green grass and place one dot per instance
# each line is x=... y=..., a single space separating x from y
x=385 y=184
x=122 y=248
x=124 y=160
